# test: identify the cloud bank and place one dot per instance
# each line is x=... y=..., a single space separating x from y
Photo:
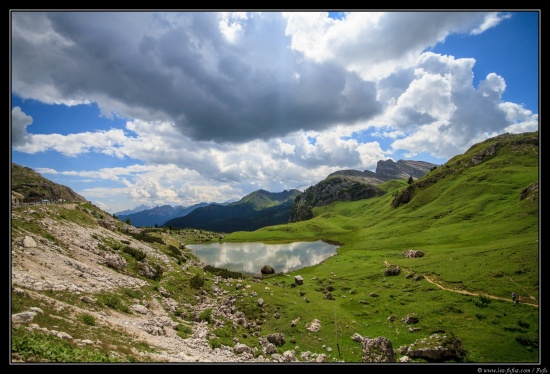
x=220 y=104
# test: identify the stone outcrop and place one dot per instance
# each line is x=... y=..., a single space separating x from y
x=335 y=188
x=147 y=270
x=403 y=196
x=530 y=192
x=379 y=349
x=115 y=261
x=392 y=270
x=277 y=339
x=352 y=185
x=436 y=348
x=402 y=169
x=411 y=319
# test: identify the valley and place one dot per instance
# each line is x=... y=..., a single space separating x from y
x=76 y=269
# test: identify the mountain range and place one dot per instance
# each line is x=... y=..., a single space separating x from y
x=157 y=216
x=263 y=208
x=258 y=209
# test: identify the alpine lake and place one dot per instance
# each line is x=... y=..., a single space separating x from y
x=249 y=258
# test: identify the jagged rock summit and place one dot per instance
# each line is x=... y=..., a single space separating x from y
x=389 y=169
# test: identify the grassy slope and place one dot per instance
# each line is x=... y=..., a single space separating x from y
x=477 y=236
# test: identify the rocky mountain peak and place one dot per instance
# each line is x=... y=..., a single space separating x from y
x=351 y=185
x=402 y=169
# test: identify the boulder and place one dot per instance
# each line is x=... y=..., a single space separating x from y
x=266 y=269
x=379 y=349
x=413 y=253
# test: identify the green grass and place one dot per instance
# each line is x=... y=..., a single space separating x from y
x=39 y=347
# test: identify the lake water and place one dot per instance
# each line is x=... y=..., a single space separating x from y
x=251 y=257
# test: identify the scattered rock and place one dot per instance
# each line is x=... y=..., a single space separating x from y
x=413 y=253
x=379 y=349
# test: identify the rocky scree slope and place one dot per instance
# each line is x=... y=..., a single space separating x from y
x=50 y=253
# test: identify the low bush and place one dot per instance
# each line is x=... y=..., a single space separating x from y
x=206 y=315
x=135 y=253
x=197 y=282
x=88 y=319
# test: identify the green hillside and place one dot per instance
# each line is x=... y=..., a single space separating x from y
x=478 y=236
x=264 y=199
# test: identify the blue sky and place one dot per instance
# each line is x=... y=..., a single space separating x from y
x=146 y=108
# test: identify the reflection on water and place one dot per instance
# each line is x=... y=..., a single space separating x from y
x=250 y=257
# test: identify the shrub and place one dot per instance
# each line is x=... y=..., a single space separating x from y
x=455 y=310
x=147 y=238
x=215 y=343
x=113 y=302
x=527 y=341
x=159 y=270
x=513 y=329
x=197 y=282
x=135 y=253
x=206 y=315
x=524 y=324
x=482 y=301
x=224 y=273
x=133 y=293
x=184 y=331
x=175 y=252
x=88 y=319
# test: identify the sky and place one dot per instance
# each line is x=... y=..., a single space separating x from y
x=132 y=108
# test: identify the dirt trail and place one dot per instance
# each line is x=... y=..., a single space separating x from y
x=475 y=294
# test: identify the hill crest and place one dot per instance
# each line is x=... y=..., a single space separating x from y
x=29 y=187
